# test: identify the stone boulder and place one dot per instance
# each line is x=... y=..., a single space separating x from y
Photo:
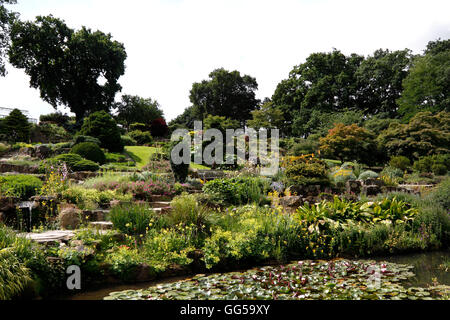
x=69 y=218
x=353 y=186
x=43 y=152
x=291 y=201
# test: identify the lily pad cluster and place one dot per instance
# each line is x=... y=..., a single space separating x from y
x=311 y=280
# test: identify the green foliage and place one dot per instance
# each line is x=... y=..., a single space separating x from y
x=425 y=134
x=341 y=211
x=368 y=174
x=70 y=159
x=49 y=132
x=80 y=139
x=134 y=109
x=90 y=151
x=14 y=276
x=115 y=157
x=141 y=138
x=180 y=171
x=78 y=60
x=56 y=118
x=267 y=116
x=128 y=141
x=240 y=190
x=85 y=165
x=16 y=127
x=132 y=219
x=187 y=210
x=87 y=198
x=440 y=162
x=400 y=162
x=441 y=194
x=101 y=125
x=340 y=175
x=226 y=94
x=220 y=123
x=124 y=262
x=21 y=186
x=305 y=171
x=3 y=148
x=426 y=87
x=6 y=19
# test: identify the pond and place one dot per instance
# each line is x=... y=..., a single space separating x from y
x=407 y=276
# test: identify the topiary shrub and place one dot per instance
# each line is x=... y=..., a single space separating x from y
x=102 y=125
x=128 y=141
x=68 y=158
x=90 y=151
x=85 y=165
x=141 y=137
x=400 y=162
x=180 y=171
x=369 y=174
x=21 y=186
x=80 y=139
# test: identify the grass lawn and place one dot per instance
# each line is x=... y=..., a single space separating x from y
x=142 y=155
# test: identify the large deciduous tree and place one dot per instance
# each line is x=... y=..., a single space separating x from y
x=77 y=69
x=227 y=94
x=6 y=18
x=134 y=109
x=427 y=86
x=380 y=80
x=325 y=82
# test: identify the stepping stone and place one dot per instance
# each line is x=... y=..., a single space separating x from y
x=162 y=210
x=159 y=204
x=102 y=225
x=56 y=236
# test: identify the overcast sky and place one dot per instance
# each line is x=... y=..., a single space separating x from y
x=173 y=43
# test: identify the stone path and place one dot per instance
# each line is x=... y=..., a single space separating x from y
x=49 y=236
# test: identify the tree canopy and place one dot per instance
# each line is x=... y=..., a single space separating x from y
x=427 y=86
x=68 y=66
x=6 y=19
x=225 y=94
x=134 y=109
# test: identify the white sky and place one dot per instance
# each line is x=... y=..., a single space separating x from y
x=173 y=43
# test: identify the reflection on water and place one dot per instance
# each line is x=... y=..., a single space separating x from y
x=426 y=268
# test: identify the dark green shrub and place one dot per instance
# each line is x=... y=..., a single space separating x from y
x=128 y=141
x=102 y=125
x=80 y=138
x=85 y=165
x=68 y=158
x=16 y=127
x=180 y=171
x=141 y=137
x=90 y=151
x=21 y=186
x=115 y=157
x=439 y=169
x=139 y=126
x=400 y=162
x=56 y=117
x=307 y=171
x=425 y=164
